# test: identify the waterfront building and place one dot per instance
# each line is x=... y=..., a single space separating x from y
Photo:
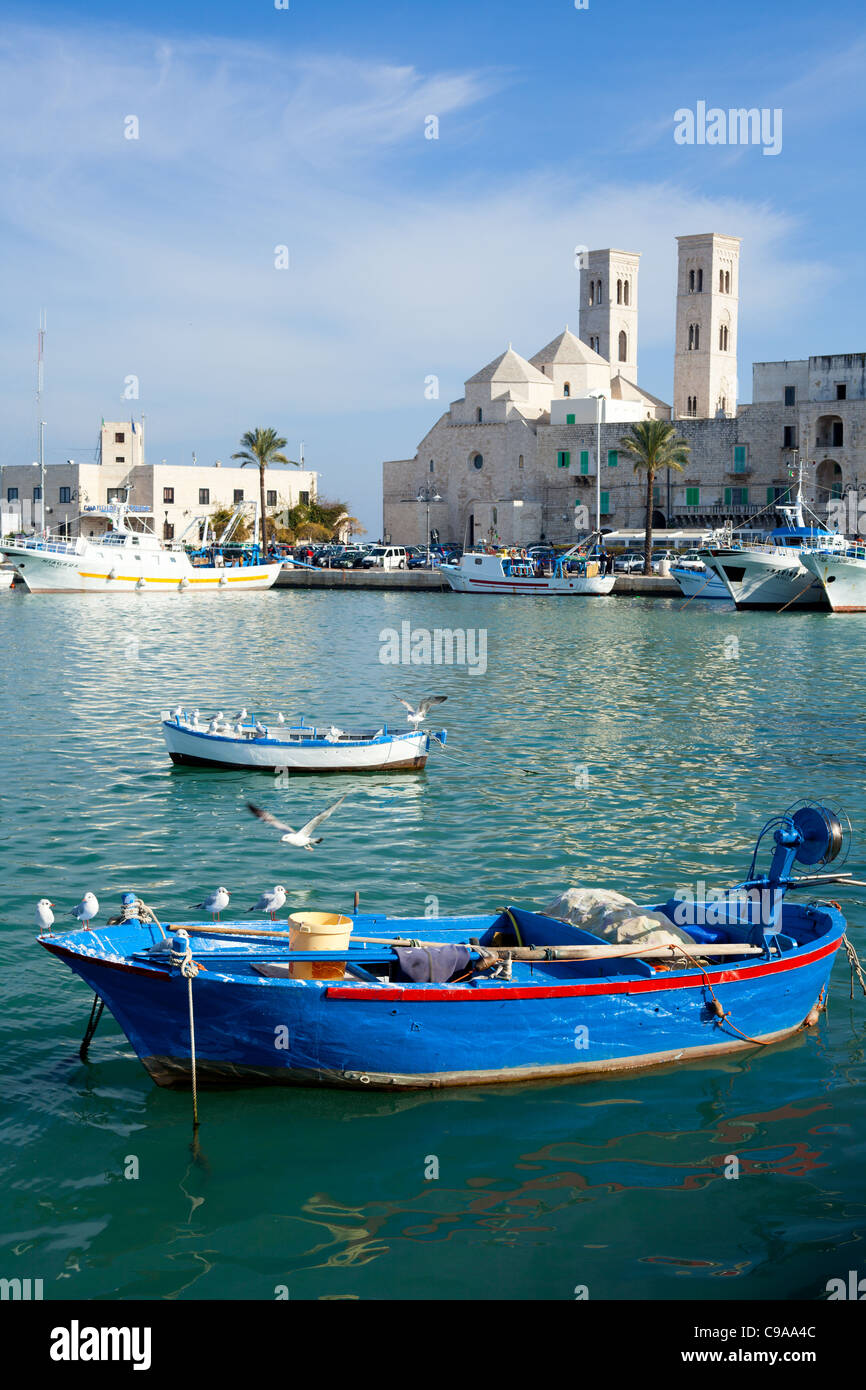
x=516 y=455
x=172 y=495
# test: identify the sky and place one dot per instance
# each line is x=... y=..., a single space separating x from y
x=407 y=257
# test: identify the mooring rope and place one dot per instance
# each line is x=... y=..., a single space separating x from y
x=189 y=969
x=855 y=966
x=95 y=1015
x=721 y=1015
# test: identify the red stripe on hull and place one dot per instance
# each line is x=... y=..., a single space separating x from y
x=470 y=993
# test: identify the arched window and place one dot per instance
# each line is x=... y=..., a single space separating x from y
x=623 y=346
x=691 y=282
x=723 y=404
x=723 y=338
x=700 y=281
x=598 y=292
x=727 y=282
x=591 y=293
x=477 y=461
x=431 y=465
x=619 y=291
x=691 y=336
x=478 y=416
x=625 y=291
x=566 y=390
x=721 y=282
x=520 y=461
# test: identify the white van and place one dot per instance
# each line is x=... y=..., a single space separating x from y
x=386 y=557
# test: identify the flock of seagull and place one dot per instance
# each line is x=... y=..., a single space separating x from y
x=219 y=723
x=272 y=899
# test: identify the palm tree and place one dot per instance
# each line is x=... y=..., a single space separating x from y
x=262 y=447
x=653 y=445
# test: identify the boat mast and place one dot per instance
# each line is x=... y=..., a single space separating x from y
x=40 y=423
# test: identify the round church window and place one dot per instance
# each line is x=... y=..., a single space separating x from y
x=477 y=461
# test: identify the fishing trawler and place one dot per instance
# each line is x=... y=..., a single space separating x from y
x=770 y=572
x=364 y=1000
x=130 y=558
x=842 y=576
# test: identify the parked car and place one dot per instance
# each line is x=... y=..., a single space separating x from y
x=416 y=557
x=329 y=556
x=352 y=558
x=628 y=563
x=386 y=557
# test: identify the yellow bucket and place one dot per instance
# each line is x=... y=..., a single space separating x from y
x=319 y=931
x=592 y=569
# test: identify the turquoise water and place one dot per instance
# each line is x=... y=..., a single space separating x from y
x=630 y=744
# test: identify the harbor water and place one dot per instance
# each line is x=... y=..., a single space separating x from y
x=630 y=744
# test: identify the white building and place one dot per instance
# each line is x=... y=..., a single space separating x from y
x=172 y=495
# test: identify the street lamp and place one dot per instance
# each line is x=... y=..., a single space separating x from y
x=599 y=397
x=428 y=494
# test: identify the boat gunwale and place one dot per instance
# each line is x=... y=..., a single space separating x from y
x=317 y=743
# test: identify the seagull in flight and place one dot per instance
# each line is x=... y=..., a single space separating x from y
x=271 y=901
x=44 y=915
x=417 y=716
x=87 y=908
x=303 y=838
x=215 y=902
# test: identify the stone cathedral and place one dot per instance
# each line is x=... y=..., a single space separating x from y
x=516 y=455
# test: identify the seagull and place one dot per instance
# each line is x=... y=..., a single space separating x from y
x=303 y=838
x=281 y=718
x=87 y=908
x=215 y=902
x=334 y=734
x=416 y=716
x=271 y=901
x=44 y=915
x=260 y=730
x=239 y=729
x=178 y=713
x=241 y=715
x=213 y=726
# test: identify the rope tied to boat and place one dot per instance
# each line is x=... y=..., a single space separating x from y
x=854 y=965
x=721 y=1015
x=183 y=961
x=136 y=909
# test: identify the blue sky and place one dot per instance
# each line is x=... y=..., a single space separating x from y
x=408 y=257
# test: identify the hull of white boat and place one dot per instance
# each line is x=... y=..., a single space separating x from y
x=696 y=583
x=46 y=572
x=6 y=578
x=389 y=753
x=843 y=580
x=759 y=579
x=574 y=586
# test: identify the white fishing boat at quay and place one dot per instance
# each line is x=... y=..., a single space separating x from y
x=842 y=577
x=576 y=573
x=197 y=741
x=770 y=572
x=129 y=558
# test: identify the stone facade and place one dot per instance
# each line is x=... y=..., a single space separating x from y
x=515 y=458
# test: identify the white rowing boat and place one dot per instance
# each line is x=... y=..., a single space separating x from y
x=300 y=748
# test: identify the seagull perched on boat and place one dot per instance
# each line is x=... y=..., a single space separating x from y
x=213 y=726
x=215 y=902
x=87 y=908
x=334 y=734
x=302 y=838
x=241 y=715
x=260 y=730
x=44 y=915
x=178 y=713
x=239 y=729
x=271 y=901
x=417 y=716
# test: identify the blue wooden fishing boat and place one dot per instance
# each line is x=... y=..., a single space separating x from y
x=512 y=995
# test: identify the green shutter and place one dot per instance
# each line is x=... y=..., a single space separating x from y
x=693 y=496
x=727 y=496
x=569 y=419
x=771 y=494
x=605 y=503
x=584 y=460
x=612 y=459
x=563 y=458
